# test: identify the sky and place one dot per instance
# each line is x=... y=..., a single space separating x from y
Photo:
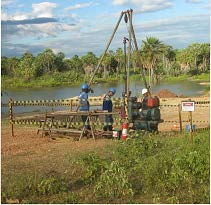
x=76 y=27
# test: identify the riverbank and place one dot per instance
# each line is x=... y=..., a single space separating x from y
x=65 y=79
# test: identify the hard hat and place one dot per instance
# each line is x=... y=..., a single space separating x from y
x=113 y=90
x=144 y=90
x=84 y=86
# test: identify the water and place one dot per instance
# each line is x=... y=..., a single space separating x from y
x=186 y=88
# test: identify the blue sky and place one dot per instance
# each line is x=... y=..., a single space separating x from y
x=75 y=27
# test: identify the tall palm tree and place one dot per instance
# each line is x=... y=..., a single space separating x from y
x=151 y=51
x=169 y=56
x=119 y=56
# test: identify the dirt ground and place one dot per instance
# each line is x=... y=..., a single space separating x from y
x=26 y=138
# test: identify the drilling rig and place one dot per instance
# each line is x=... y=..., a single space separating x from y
x=132 y=111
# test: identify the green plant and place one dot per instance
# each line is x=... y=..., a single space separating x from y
x=52 y=185
x=113 y=183
x=92 y=166
x=71 y=198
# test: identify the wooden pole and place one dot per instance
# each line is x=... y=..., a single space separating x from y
x=191 y=131
x=71 y=105
x=139 y=60
x=107 y=46
x=102 y=57
x=180 y=118
x=125 y=78
x=11 y=116
x=130 y=13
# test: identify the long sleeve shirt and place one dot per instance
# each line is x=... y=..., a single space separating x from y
x=83 y=102
x=107 y=103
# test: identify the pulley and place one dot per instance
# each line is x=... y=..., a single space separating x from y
x=126 y=18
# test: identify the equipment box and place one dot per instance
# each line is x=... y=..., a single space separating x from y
x=153 y=102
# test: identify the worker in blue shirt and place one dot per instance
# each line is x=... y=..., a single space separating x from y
x=84 y=103
x=107 y=105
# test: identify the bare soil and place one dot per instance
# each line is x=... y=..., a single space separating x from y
x=27 y=140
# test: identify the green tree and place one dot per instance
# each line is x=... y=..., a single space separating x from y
x=194 y=58
x=59 y=62
x=205 y=57
x=193 y=53
x=9 y=65
x=169 y=57
x=119 y=56
x=151 y=51
x=109 y=63
x=89 y=59
x=4 y=65
x=46 y=61
x=75 y=63
x=26 y=69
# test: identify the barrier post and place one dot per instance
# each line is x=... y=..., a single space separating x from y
x=71 y=105
x=180 y=118
x=191 y=131
x=11 y=116
x=189 y=106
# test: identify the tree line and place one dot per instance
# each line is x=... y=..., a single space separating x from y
x=157 y=59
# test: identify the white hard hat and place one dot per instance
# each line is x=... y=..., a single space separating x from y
x=144 y=90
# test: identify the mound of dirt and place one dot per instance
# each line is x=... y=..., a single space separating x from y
x=166 y=94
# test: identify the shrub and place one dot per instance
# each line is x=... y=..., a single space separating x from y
x=92 y=167
x=113 y=183
x=52 y=185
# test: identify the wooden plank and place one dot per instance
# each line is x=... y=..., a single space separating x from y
x=60 y=130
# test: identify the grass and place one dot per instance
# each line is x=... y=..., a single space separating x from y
x=202 y=77
x=176 y=79
x=73 y=78
x=164 y=168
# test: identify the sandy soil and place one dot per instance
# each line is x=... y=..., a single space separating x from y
x=26 y=139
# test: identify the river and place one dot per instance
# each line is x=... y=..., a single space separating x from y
x=186 y=88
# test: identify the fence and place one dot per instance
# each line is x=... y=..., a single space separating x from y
x=170 y=113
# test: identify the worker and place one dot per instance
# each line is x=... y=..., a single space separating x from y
x=145 y=94
x=107 y=105
x=84 y=104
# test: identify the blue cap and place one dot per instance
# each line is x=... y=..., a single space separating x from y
x=84 y=86
x=113 y=90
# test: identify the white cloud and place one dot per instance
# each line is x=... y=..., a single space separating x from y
x=79 y=6
x=120 y=2
x=5 y=16
x=92 y=35
x=35 y=31
x=44 y=9
x=194 y=1
x=145 y=5
x=20 y=16
x=178 y=32
x=7 y=2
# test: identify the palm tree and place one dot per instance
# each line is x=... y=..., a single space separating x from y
x=119 y=56
x=151 y=51
x=169 y=56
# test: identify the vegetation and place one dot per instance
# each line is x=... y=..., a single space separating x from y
x=165 y=168
x=50 y=69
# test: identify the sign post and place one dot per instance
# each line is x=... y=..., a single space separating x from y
x=180 y=118
x=189 y=106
